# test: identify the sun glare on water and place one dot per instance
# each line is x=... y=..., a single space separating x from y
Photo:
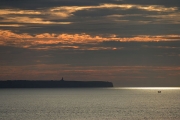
x=149 y=88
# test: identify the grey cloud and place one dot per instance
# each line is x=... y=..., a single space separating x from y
x=130 y=15
x=39 y=4
x=16 y=56
x=121 y=29
x=154 y=2
x=94 y=12
x=102 y=28
x=130 y=54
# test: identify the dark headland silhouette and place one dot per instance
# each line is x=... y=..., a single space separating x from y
x=53 y=84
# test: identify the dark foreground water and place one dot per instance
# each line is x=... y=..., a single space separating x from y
x=90 y=104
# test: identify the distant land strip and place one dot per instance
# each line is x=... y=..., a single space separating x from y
x=53 y=84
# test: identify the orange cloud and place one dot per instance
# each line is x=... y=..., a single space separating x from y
x=26 y=40
x=31 y=20
x=7 y=34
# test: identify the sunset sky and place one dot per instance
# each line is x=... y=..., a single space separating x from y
x=127 y=42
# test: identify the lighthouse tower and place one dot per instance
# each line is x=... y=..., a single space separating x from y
x=62 y=79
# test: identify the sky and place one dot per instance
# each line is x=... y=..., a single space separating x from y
x=127 y=42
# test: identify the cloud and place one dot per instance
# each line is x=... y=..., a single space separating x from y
x=106 y=53
x=67 y=11
x=154 y=2
x=72 y=41
x=124 y=20
x=37 y=4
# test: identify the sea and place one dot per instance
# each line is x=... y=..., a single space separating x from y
x=118 y=103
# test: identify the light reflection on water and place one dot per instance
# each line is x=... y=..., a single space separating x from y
x=148 y=88
x=90 y=104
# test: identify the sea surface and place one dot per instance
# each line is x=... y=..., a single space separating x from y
x=90 y=104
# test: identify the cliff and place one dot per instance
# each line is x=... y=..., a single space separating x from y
x=53 y=84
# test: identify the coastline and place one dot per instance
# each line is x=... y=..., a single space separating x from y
x=53 y=84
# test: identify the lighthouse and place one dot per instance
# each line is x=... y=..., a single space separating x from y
x=62 y=79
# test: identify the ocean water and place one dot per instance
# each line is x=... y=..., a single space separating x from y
x=90 y=104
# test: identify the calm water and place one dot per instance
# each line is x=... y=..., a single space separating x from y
x=90 y=104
